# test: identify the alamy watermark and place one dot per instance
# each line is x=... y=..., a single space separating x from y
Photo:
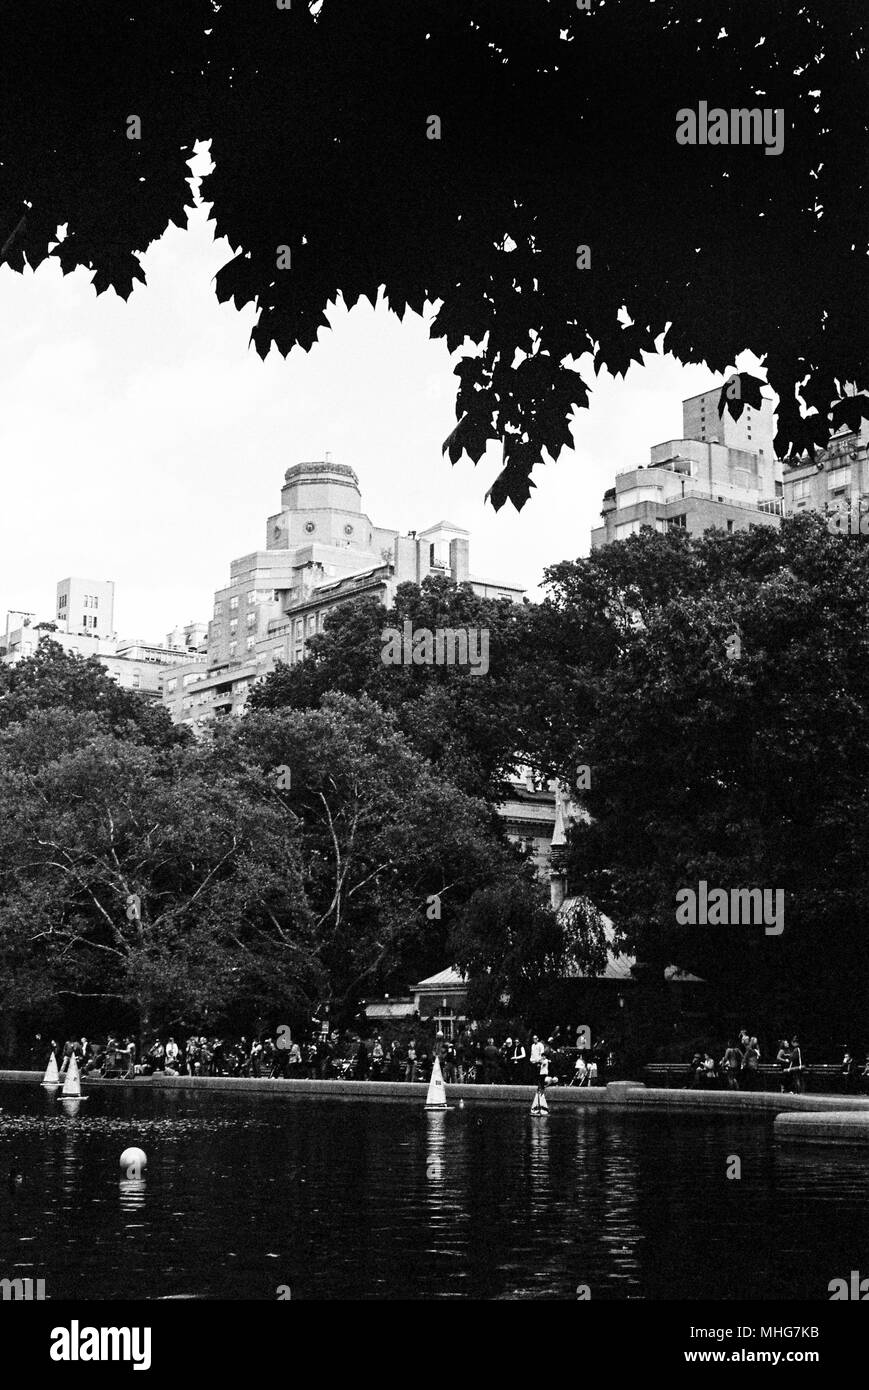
x=739 y=126
x=851 y=522
x=446 y=646
x=25 y=1290
x=716 y=907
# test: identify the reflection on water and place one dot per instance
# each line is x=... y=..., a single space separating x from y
x=362 y=1199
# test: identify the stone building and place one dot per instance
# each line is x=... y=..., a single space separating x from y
x=321 y=550
x=84 y=626
x=722 y=472
x=836 y=480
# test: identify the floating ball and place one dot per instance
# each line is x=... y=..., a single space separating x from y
x=134 y=1160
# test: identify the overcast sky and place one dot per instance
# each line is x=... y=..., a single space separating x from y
x=146 y=442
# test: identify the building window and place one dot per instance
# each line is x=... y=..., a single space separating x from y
x=171 y=685
x=251 y=619
x=838 y=477
x=233 y=648
x=137 y=680
x=252 y=596
x=233 y=624
x=233 y=603
x=801 y=489
x=681 y=520
x=730 y=525
x=250 y=643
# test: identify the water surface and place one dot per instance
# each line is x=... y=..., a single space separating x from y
x=346 y=1198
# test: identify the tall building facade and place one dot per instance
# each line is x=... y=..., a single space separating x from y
x=837 y=479
x=321 y=550
x=86 y=607
x=722 y=472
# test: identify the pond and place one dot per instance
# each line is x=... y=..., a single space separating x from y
x=268 y=1196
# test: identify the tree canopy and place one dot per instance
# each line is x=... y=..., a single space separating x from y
x=739 y=762
x=460 y=152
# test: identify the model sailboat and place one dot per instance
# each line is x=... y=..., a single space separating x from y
x=437 y=1095
x=72 y=1084
x=52 y=1075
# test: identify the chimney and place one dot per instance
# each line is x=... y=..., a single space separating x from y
x=459 y=560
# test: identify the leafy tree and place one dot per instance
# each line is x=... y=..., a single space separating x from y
x=55 y=679
x=461 y=152
x=391 y=850
x=511 y=944
x=147 y=878
x=464 y=725
x=742 y=766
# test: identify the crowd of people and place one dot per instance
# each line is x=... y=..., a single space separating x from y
x=738 y=1069
x=472 y=1056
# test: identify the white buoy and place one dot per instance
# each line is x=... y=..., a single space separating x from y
x=52 y=1075
x=134 y=1160
x=437 y=1096
x=72 y=1084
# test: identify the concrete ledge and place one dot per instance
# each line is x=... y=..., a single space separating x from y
x=828 y=1127
x=628 y=1095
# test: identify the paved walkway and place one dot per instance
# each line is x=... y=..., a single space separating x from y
x=629 y=1095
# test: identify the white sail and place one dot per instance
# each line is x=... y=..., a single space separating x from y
x=437 y=1096
x=539 y=1105
x=72 y=1084
x=52 y=1075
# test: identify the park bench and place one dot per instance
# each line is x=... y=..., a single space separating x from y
x=817 y=1076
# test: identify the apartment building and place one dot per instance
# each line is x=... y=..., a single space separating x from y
x=321 y=550
x=721 y=472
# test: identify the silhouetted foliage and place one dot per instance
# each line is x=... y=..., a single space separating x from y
x=557 y=129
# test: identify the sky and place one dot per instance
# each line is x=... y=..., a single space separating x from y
x=146 y=441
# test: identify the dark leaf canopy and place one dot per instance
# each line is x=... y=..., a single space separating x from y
x=554 y=132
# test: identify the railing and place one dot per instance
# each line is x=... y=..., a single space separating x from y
x=773 y=506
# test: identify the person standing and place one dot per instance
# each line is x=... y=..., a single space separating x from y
x=411 y=1069
x=750 y=1063
x=491 y=1062
x=795 y=1071
x=730 y=1065
x=172 y=1055
x=543 y=1073
x=535 y=1056
x=516 y=1063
